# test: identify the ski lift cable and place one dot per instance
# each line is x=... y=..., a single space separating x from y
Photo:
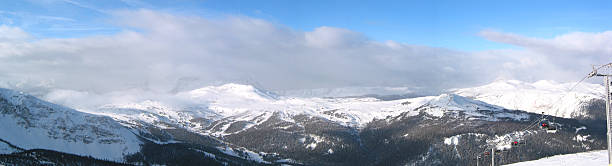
x=536 y=122
x=568 y=92
x=544 y=116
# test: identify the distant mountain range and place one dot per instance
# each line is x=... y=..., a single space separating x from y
x=236 y=124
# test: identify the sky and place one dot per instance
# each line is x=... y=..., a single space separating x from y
x=448 y=24
x=170 y=46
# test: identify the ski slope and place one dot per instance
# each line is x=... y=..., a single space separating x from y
x=592 y=158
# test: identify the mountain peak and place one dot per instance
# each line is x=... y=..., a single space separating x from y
x=231 y=91
x=452 y=101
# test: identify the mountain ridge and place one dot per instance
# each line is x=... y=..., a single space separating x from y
x=549 y=97
x=240 y=124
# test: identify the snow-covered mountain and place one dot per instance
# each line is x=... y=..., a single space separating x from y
x=233 y=112
x=549 y=97
x=29 y=123
x=241 y=124
x=233 y=103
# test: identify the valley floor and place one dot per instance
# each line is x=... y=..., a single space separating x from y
x=593 y=158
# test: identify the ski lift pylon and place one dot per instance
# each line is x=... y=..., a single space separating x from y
x=551 y=129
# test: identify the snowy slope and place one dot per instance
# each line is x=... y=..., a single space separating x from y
x=7 y=149
x=30 y=123
x=549 y=97
x=439 y=105
x=587 y=158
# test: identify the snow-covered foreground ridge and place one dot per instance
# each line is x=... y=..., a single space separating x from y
x=30 y=123
x=592 y=158
x=549 y=97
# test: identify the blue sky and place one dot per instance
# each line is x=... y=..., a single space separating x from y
x=447 y=24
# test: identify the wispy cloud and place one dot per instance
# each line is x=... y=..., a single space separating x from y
x=26 y=19
x=56 y=18
x=137 y=4
x=85 y=6
x=8 y=12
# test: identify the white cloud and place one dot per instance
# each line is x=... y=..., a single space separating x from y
x=165 y=52
x=330 y=37
x=8 y=34
x=577 y=43
x=566 y=57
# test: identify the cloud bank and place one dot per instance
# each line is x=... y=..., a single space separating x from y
x=164 y=52
x=565 y=58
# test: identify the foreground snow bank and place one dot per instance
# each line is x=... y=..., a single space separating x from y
x=599 y=157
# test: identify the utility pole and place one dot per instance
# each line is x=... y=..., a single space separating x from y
x=608 y=111
x=493 y=156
